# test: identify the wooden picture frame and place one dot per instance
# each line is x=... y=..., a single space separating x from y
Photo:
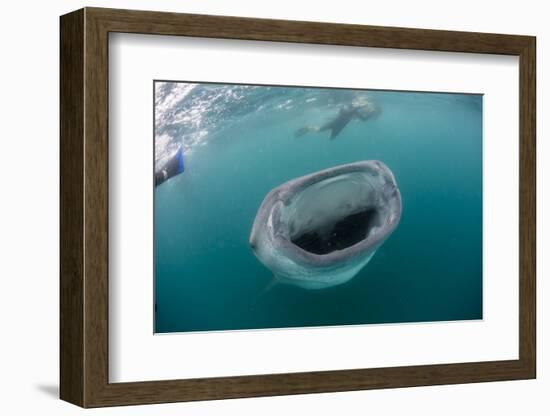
x=84 y=207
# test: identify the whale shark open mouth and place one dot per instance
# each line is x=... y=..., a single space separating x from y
x=319 y=230
x=344 y=233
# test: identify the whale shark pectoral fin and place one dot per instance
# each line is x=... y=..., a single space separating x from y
x=270 y=285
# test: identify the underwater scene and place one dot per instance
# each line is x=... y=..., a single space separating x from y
x=293 y=207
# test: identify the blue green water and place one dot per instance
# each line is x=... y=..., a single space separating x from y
x=239 y=144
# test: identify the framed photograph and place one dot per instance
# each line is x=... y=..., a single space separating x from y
x=255 y=207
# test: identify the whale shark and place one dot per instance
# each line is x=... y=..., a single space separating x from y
x=320 y=230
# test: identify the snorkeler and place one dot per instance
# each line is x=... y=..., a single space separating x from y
x=359 y=109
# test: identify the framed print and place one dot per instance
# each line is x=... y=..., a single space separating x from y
x=255 y=207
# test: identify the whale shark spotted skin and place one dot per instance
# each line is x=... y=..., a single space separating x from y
x=321 y=229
